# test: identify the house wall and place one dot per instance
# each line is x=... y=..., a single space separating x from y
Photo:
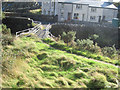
x=85 y=13
x=81 y=11
x=49 y=7
x=45 y=7
x=64 y=9
x=110 y=14
x=98 y=13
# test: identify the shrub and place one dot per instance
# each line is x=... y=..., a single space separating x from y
x=88 y=44
x=68 y=37
x=98 y=81
x=5 y=30
x=85 y=43
x=109 y=51
x=94 y=37
x=7 y=40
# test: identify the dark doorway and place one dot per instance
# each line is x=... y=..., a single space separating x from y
x=103 y=18
x=99 y=20
x=83 y=16
x=69 y=15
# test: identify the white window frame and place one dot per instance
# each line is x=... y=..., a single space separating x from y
x=48 y=12
x=92 y=18
x=62 y=5
x=52 y=4
x=76 y=15
x=62 y=14
x=93 y=9
x=78 y=6
x=44 y=12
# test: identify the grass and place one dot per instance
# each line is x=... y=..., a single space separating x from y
x=0 y=28
x=36 y=11
x=41 y=66
x=84 y=53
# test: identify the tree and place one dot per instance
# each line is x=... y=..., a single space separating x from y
x=68 y=37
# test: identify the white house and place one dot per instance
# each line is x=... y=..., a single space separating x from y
x=91 y=11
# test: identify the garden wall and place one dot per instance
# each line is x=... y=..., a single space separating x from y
x=17 y=23
x=35 y=17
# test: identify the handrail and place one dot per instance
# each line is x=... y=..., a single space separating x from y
x=35 y=29
x=30 y=30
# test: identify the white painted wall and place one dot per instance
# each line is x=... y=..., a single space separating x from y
x=45 y=7
x=96 y=14
x=71 y=8
x=48 y=6
x=64 y=9
x=110 y=14
x=81 y=11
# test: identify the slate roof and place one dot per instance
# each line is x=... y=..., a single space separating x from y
x=92 y=3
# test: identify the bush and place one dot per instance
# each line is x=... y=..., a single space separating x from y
x=84 y=44
x=98 y=81
x=88 y=44
x=7 y=40
x=5 y=30
x=68 y=37
x=109 y=51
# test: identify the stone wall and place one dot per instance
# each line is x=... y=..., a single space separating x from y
x=17 y=23
x=35 y=17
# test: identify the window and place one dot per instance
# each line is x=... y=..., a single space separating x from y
x=48 y=12
x=52 y=4
x=62 y=14
x=76 y=15
x=78 y=6
x=52 y=13
x=62 y=5
x=44 y=11
x=47 y=2
x=103 y=18
x=92 y=17
x=93 y=9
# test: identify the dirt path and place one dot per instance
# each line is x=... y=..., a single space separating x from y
x=100 y=61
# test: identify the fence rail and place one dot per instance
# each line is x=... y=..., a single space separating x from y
x=30 y=30
x=37 y=30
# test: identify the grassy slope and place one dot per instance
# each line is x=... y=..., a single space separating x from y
x=40 y=65
x=88 y=54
